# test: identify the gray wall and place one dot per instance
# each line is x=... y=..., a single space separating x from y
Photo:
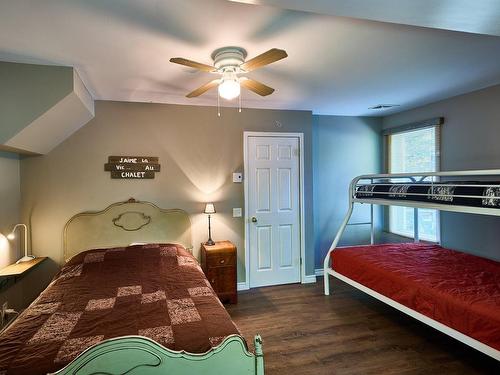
x=20 y=294
x=198 y=152
x=10 y=204
x=343 y=147
x=470 y=140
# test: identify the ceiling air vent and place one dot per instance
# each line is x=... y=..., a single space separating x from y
x=383 y=106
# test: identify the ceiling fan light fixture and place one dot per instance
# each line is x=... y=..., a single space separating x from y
x=230 y=87
x=229 y=62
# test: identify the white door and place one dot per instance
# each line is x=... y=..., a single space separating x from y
x=273 y=210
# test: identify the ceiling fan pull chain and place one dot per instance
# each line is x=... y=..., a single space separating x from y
x=218 y=104
x=239 y=105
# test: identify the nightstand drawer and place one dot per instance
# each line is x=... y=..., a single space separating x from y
x=221 y=260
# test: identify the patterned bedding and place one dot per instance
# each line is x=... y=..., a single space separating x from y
x=460 y=193
x=157 y=290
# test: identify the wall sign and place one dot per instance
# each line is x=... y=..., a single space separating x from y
x=132 y=167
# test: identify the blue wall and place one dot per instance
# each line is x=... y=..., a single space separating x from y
x=469 y=140
x=343 y=147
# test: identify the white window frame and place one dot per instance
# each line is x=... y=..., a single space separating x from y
x=420 y=235
x=406 y=129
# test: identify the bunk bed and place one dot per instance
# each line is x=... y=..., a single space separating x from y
x=454 y=292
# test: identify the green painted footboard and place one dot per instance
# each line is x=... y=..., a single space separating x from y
x=134 y=355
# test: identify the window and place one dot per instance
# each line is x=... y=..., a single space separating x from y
x=414 y=151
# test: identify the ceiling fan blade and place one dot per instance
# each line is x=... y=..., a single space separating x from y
x=256 y=87
x=192 y=64
x=202 y=89
x=266 y=58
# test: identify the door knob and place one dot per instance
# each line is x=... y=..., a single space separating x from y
x=254 y=219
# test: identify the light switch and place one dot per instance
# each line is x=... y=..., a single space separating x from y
x=237 y=177
x=237 y=212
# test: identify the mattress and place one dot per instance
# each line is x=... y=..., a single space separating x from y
x=157 y=290
x=462 y=193
x=459 y=290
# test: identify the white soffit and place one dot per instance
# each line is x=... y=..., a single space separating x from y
x=57 y=123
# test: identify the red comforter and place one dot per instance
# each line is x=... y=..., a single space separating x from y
x=459 y=290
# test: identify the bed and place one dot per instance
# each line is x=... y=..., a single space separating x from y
x=459 y=290
x=117 y=308
x=454 y=292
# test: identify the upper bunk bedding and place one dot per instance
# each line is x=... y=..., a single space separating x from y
x=459 y=290
x=157 y=291
x=459 y=193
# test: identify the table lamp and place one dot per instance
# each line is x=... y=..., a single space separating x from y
x=12 y=235
x=209 y=210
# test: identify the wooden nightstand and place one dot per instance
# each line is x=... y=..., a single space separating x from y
x=219 y=264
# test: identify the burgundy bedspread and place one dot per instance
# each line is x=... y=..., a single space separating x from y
x=459 y=290
x=157 y=291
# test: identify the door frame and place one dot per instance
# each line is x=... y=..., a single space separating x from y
x=300 y=136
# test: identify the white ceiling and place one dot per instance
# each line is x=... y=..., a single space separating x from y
x=336 y=65
x=472 y=16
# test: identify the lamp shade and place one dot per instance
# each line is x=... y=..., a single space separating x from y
x=209 y=208
x=229 y=88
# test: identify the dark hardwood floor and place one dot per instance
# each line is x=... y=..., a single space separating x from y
x=348 y=332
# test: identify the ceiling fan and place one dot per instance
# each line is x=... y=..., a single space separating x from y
x=229 y=62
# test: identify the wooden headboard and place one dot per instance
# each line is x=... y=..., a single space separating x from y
x=124 y=223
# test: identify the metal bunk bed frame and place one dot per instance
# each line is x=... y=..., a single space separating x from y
x=433 y=180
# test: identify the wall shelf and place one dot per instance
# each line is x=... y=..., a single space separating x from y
x=17 y=270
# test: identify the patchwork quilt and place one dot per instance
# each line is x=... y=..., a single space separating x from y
x=156 y=290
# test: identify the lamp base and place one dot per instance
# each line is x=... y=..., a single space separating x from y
x=210 y=242
x=26 y=258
